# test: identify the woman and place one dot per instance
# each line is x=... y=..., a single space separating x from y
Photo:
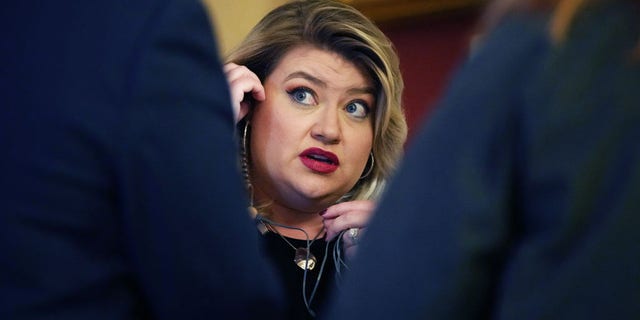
x=318 y=90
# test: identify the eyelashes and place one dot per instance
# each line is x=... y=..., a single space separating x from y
x=302 y=95
x=357 y=109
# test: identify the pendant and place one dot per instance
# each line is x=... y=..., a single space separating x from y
x=301 y=259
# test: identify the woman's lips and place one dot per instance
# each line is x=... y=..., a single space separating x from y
x=319 y=160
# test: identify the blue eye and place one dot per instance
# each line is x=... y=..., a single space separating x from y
x=302 y=95
x=357 y=109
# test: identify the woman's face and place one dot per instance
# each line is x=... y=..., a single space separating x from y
x=312 y=135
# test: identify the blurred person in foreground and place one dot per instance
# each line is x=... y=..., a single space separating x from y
x=119 y=168
x=520 y=198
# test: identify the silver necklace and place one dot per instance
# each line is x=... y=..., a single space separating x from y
x=303 y=257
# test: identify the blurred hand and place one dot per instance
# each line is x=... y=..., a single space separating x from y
x=242 y=80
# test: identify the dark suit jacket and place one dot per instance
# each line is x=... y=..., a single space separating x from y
x=119 y=195
x=520 y=199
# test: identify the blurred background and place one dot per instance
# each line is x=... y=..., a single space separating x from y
x=431 y=37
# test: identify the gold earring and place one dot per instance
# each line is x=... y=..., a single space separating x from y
x=373 y=162
x=245 y=169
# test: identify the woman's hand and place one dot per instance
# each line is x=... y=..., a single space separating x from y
x=241 y=80
x=352 y=216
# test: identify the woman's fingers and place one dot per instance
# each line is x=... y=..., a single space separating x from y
x=241 y=80
x=342 y=216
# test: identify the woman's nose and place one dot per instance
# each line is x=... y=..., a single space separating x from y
x=327 y=126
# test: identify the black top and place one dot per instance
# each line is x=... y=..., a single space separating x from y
x=293 y=277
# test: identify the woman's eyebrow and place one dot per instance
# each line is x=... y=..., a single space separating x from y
x=323 y=84
x=310 y=78
x=365 y=90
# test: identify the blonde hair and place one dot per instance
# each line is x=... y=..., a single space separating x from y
x=339 y=28
x=562 y=17
x=563 y=14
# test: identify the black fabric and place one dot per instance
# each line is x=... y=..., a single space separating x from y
x=118 y=167
x=282 y=256
x=519 y=199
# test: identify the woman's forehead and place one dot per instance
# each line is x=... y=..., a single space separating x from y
x=320 y=64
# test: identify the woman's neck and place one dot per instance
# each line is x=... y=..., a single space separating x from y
x=310 y=222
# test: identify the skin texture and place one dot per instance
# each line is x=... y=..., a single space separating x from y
x=313 y=99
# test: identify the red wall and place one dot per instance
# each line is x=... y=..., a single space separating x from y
x=429 y=48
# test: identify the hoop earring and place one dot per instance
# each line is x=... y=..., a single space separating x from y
x=373 y=162
x=244 y=154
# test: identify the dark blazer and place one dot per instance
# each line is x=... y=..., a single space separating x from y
x=120 y=196
x=520 y=198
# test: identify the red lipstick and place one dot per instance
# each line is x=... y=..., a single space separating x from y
x=319 y=160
